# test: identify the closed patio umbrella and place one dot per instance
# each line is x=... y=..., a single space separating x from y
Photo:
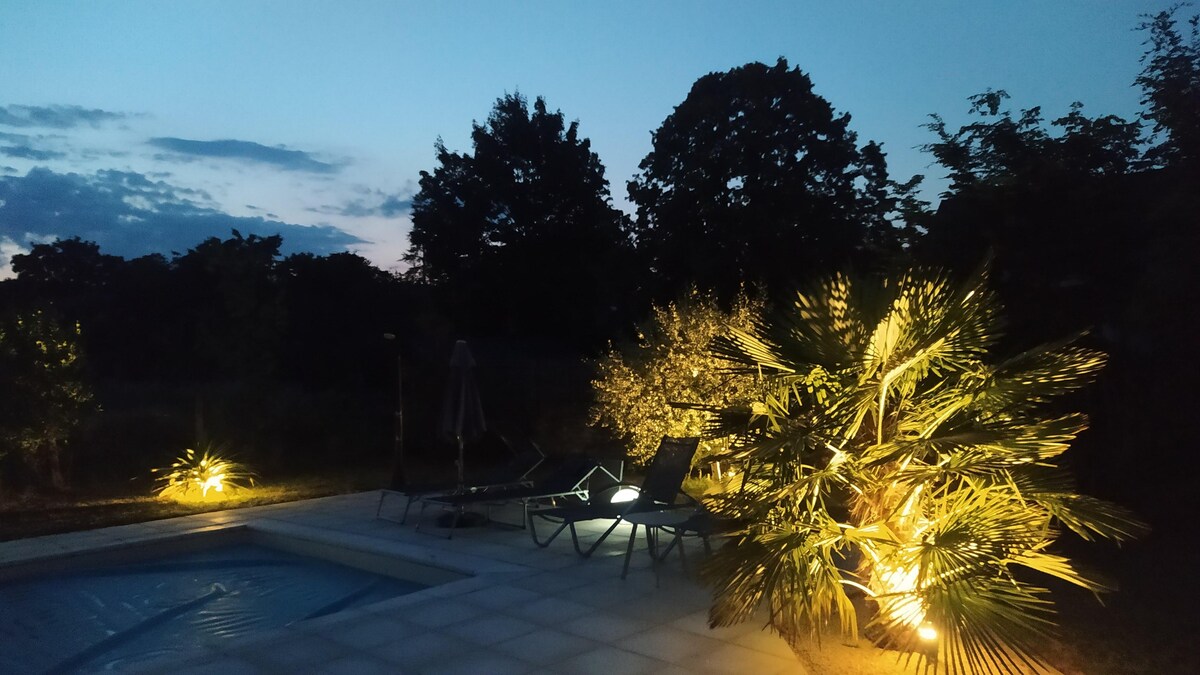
x=462 y=412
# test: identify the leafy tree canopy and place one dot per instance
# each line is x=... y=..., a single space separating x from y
x=1003 y=149
x=756 y=177
x=522 y=233
x=1170 y=82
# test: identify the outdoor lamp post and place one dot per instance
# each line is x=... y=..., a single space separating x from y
x=398 y=443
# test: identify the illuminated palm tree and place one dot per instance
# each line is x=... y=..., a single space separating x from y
x=895 y=460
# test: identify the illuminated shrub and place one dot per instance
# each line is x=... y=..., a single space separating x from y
x=637 y=391
x=43 y=393
x=892 y=458
x=207 y=477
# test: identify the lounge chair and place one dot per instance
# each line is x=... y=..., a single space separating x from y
x=702 y=524
x=659 y=490
x=515 y=472
x=570 y=478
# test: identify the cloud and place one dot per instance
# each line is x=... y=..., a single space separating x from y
x=8 y=248
x=55 y=116
x=379 y=204
x=291 y=160
x=130 y=215
x=26 y=152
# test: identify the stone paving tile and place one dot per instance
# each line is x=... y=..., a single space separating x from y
x=765 y=641
x=371 y=631
x=545 y=646
x=479 y=663
x=605 y=627
x=489 y=629
x=610 y=659
x=669 y=644
x=412 y=654
x=442 y=612
x=501 y=597
x=551 y=582
x=549 y=611
x=697 y=622
x=727 y=658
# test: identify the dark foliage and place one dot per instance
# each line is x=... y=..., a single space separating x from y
x=756 y=178
x=1093 y=226
x=521 y=237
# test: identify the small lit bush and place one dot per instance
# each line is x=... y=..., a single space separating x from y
x=204 y=477
x=638 y=391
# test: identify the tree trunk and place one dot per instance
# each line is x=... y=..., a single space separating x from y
x=54 y=465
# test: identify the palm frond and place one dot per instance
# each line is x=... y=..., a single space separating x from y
x=1039 y=375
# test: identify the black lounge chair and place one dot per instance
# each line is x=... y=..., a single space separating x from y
x=659 y=490
x=515 y=472
x=702 y=524
x=570 y=478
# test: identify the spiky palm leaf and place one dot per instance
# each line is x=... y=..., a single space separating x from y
x=892 y=456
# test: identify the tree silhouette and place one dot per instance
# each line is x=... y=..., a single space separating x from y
x=1170 y=82
x=231 y=291
x=755 y=177
x=1092 y=229
x=522 y=234
x=1005 y=151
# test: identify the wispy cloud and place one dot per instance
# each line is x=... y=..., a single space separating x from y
x=377 y=203
x=292 y=160
x=27 y=152
x=55 y=116
x=129 y=214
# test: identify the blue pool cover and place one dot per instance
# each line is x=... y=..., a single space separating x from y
x=119 y=617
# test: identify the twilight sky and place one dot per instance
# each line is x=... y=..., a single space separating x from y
x=149 y=126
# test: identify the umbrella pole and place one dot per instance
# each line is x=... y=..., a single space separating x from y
x=461 y=481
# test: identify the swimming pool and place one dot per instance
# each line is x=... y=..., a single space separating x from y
x=120 y=608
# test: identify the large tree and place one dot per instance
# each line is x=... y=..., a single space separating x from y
x=755 y=177
x=1170 y=82
x=521 y=235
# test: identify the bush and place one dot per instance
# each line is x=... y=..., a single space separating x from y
x=639 y=391
x=892 y=456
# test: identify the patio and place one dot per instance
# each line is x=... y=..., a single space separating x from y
x=525 y=610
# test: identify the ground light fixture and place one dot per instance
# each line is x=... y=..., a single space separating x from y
x=625 y=494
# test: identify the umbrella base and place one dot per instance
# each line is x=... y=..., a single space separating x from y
x=465 y=519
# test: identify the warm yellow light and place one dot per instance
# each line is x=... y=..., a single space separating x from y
x=191 y=478
x=927 y=632
x=896 y=595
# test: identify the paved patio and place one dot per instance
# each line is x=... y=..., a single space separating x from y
x=525 y=610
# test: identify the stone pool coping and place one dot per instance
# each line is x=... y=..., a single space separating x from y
x=523 y=610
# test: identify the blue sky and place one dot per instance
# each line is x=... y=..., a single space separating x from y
x=148 y=126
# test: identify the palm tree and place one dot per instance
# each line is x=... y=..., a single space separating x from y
x=895 y=461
